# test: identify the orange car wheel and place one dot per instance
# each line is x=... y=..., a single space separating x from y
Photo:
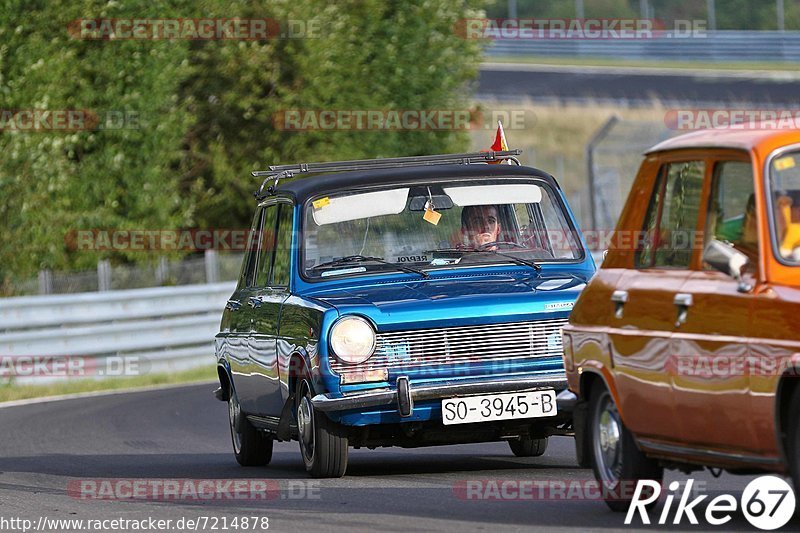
x=617 y=461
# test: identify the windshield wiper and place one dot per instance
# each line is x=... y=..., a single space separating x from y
x=350 y=259
x=518 y=260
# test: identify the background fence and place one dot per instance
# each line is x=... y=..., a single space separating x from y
x=613 y=157
x=734 y=46
x=112 y=333
x=212 y=267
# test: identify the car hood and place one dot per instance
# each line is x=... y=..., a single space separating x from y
x=458 y=300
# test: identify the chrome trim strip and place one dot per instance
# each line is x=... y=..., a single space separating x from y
x=675 y=449
x=445 y=389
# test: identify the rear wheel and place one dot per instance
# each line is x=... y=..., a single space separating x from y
x=250 y=446
x=793 y=439
x=617 y=462
x=528 y=447
x=323 y=442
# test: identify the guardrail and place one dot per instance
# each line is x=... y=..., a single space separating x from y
x=111 y=333
x=733 y=46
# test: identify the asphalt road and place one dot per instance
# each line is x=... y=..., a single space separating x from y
x=636 y=87
x=182 y=433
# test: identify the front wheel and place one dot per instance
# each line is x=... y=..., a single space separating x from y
x=528 y=447
x=250 y=446
x=323 y=442
x=617 y=461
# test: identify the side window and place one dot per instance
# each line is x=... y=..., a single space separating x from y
x=544 y=225
x=671 y=220
x=280 y=269
x=563 y=241
x=251 y=252
x=732 y=207
x=266 y=246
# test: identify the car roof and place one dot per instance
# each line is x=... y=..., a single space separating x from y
x=301 y=188
x=728 y=138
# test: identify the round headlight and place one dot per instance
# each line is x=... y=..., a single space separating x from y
x=352 y=340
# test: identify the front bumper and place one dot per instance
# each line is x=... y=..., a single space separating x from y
x=406 y=392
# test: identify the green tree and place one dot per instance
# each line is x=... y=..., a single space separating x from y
x=55 y=182
x=205 y=111
x=361 y=55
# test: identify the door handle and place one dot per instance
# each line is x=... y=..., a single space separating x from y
x=254 y=302
x=233 y=305
x=620 y=298
x=683 y=302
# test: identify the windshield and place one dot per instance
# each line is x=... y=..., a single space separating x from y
x=785 y=188
x=437 y=225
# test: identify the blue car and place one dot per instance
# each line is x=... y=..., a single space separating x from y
x=401 y=302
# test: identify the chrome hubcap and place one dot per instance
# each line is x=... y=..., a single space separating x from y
x=234 y=412
x=608 y=430
x=305 y=427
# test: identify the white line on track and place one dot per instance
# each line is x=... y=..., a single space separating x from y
x=112 y=392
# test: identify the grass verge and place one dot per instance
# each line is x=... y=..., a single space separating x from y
x=12 y=391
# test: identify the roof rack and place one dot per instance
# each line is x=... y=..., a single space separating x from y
x=279 y=172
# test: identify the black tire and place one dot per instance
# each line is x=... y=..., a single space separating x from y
x=793 y=439
x=528 y=447
x=250 y=446
x=323 y=442
x=617 y=461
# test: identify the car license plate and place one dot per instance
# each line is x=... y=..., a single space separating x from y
x=469 y=409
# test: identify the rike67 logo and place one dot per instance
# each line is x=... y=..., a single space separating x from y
x=767 y=502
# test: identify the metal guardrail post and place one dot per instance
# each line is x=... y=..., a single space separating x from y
x=162 y=270
x=45 y=281
x=212 y=266
x=104 y=275
x=598 y=136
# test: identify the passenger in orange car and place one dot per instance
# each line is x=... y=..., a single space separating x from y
x=788 y=231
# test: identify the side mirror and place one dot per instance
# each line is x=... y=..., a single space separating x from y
x=728 y=260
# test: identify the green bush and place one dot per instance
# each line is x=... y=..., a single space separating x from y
x=203 y=112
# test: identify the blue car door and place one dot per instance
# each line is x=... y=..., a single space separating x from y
x=270 y=290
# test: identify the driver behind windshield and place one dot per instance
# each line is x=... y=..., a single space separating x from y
x=480 y=226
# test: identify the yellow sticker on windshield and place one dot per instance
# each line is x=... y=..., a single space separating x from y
x=322 y=202
x=784 y=162
x=432 y=216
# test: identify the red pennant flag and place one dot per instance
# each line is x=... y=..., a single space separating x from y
x=500 y=142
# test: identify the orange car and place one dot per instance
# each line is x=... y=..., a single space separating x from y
x=684 y=349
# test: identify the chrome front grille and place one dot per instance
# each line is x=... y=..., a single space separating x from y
x=463 y=344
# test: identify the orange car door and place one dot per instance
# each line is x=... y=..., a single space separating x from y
x=640 y=334
x=775 y=343
x=711 y=351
